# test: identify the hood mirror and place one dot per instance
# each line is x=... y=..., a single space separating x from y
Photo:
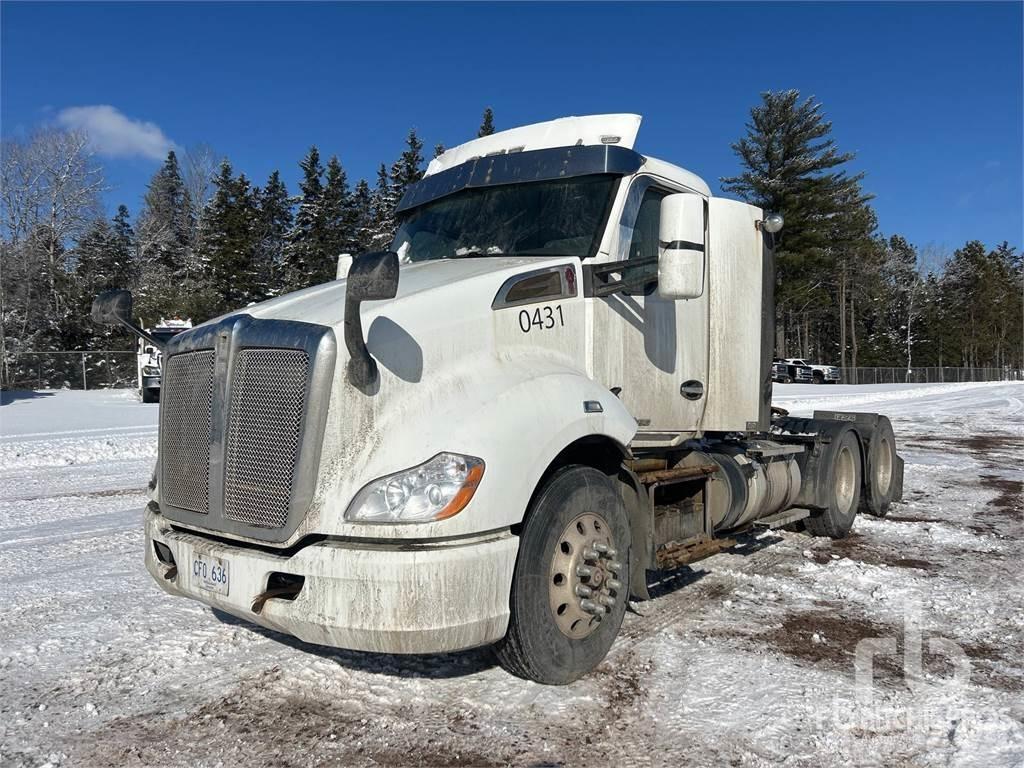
x=115 y=308
x=372 y=277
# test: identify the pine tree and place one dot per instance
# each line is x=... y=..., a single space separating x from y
x=104 y=260
x=362 y=212
x=791 y=166
x=124 y=246
x=230 y=243
x=305 y=243
x=408 y=169
x=438 y=149
x=338 y=225
x=487 y=126
x=274 y=222
x=381 y=230
x=165 y=219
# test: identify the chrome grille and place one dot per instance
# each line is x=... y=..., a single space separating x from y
x=186 y=407
x=268 y=396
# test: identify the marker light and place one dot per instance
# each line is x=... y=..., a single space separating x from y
x=435 y=490
x=772 y=223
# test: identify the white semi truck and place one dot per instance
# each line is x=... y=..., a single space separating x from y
x=558 y=380
x=149 y=356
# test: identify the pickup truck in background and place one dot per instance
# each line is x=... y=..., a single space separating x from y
x=820 y=374
x=788 y=372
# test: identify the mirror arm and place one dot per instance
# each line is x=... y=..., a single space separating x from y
x=362 y=368
x=601 y=286
x=141 y=333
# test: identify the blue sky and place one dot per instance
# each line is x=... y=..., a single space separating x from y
x=929 y=95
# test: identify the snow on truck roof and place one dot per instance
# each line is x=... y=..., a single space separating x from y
x=589 y=130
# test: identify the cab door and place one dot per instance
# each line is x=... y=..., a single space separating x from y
x=653 y=350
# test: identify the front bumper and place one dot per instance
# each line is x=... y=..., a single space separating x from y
x=403 y=598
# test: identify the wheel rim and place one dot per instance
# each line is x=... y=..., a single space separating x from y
x=845 y=479
x=883 y=466
x=583 y=585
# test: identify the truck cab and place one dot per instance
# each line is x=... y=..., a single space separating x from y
x=557 y=379
x=148 y=356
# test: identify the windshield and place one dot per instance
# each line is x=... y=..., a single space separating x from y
x=564 y=217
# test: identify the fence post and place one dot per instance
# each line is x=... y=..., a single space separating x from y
x=85 y=384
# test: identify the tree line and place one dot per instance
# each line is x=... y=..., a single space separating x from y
x=849 y=294
x=208 y=240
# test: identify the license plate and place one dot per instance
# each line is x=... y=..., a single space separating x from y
x=210 y=573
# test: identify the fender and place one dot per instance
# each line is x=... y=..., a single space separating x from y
x=517 y=415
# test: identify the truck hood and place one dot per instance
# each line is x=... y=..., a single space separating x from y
x=325 y=304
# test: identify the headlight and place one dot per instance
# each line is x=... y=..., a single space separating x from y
x=435 y=490
x=149 y=370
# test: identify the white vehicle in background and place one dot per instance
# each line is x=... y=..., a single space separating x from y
x=820 y=374
x=149 y=356
x=558 y=379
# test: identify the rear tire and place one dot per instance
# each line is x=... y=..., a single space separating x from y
x=555 y=633
x=844 y=491
x=150 y=395
x=880 y=470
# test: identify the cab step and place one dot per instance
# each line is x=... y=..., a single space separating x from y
x=780 y=519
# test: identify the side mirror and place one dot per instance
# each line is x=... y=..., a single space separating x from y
x=115 y=308
x=372 y=277
x=112 y=308
x=681 y=251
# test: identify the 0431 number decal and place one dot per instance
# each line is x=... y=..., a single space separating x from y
x=541 y=318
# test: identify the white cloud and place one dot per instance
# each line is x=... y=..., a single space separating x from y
x=114 y=134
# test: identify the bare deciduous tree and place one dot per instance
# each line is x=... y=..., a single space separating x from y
x=51 y=187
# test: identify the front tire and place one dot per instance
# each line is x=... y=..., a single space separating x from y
x=571 y=580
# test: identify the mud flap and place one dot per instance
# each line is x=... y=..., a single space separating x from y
x=897 y=478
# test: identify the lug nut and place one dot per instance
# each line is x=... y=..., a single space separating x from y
x=583 y=591
x=613 y=584
x=584 y=572
x=590 y=554
x=611 y=554
x=590 y=606
x=606 y=600
x=614 y=566
x=601 y=548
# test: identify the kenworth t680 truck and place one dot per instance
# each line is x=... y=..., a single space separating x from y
x=557 y=380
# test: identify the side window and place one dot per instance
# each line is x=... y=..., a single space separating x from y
x=644 y=242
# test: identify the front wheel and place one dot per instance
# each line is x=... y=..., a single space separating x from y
x=571 y=580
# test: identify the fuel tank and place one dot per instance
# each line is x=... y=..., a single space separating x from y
x=755 y=478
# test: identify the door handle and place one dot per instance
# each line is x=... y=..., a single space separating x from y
x=692 y=389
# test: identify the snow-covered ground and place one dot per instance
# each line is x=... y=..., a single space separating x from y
x=746 y=658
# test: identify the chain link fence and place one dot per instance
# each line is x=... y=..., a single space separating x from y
x=72 y=369
x=927 y=375
x=111 y=368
